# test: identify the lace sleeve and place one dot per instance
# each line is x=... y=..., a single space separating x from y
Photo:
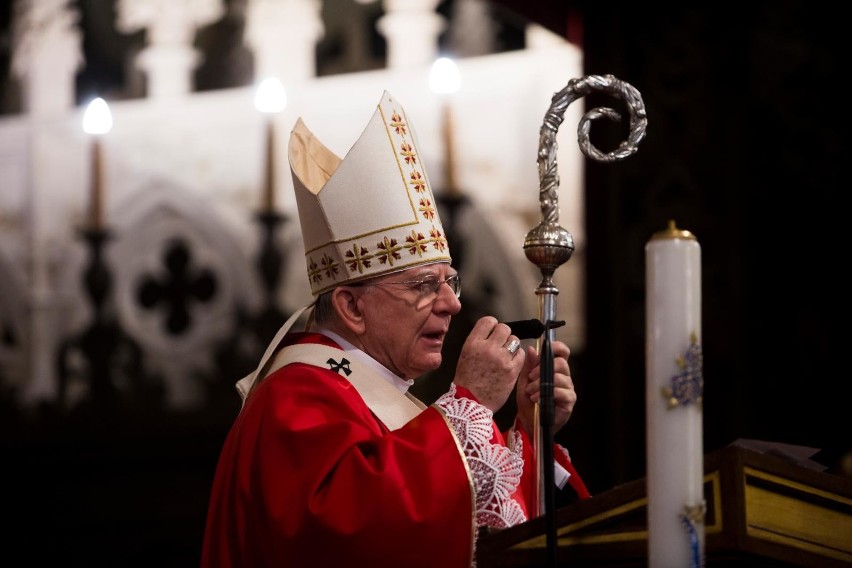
x=496 y=469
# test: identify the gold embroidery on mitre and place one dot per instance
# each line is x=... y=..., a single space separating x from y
x=397 y=123
x=388 y=251
x=359 y=258
x=314 y=271
x=327 y=266
x=427 y=209
x=330 y=266
x=417 y=243
x=438 y=240
x=398 y=127
x=418 y=182
x=408 y=154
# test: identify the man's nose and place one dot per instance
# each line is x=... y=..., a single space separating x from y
x=447 y=300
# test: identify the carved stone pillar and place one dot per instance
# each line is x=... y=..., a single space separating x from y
x=472 y=30
x=282 y=35
x=411 y=28
x=47 y=54
x=169 y=59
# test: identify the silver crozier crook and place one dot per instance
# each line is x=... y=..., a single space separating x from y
x=548 y=246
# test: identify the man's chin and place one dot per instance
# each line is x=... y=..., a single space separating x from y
x=430 y=363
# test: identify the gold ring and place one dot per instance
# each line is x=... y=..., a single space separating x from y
x=513 y=346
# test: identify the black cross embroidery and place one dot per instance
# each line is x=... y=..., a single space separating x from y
x=343 y=366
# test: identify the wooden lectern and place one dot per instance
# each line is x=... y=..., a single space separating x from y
x=762 y=511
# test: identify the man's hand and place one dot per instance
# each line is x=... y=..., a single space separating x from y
x=485 y=366
x=529 y=388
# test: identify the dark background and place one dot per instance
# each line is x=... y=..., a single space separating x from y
x=745 y=146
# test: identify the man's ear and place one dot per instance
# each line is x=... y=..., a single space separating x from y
x=345 y=304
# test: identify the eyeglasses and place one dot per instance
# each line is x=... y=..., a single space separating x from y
x=426 y=287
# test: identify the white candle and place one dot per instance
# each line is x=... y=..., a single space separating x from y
x=97 y=121
x=96 y=193
x=674 y=387
x=270 y=98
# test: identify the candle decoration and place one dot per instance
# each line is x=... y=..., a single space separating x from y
x=270 y=99
x=674 y=394
x=102 y=355
x=97 y=121
x=687 y=386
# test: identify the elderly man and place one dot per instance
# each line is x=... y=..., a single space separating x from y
x=331 y=461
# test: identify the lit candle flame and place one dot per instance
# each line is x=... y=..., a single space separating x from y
x=444 y=78
x=97 y=119
x=270 y=96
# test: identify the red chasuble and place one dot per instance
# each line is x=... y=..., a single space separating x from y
x=311 y=476
x=308 y=476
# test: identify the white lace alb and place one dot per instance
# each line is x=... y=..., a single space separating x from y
x=496 y=469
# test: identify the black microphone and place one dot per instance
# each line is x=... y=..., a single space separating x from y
x=531 y=328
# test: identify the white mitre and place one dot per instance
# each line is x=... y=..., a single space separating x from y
x=371 y=213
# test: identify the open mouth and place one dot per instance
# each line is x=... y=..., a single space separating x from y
x=437 y=336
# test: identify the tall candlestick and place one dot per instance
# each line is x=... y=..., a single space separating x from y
x=97 y=121
x=674 y=389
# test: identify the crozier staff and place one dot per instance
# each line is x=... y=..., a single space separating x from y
x=331 y=461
